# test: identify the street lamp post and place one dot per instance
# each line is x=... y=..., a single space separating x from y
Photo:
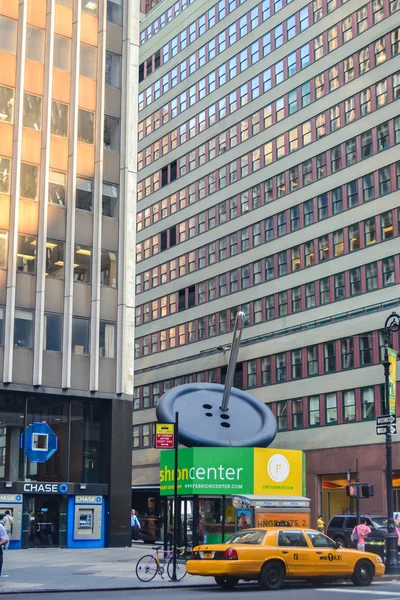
x=392 y=565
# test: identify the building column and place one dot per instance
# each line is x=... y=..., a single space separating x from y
x=127 y=206
x=71 y=198
x=97 y=199
x=14 y=197
x=41 y=250
x=120 y=488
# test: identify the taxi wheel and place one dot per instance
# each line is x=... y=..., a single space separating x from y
x=227 y=583
x=363 y=573
x=272 y=576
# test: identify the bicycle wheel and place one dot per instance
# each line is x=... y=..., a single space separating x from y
x=146 y=568
x=180 y=568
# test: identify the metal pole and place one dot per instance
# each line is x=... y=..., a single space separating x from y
x=392 y=565
x=230 y=373
x=358 y=491
x=176 y=512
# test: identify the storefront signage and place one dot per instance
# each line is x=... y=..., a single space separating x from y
x=164 y=436
x=45 y=488
x=41 y=442
x=88 y=500
x=263 y=471
x=15 y=498
x=392 y=380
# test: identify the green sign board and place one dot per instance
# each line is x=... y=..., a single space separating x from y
x=233 y=471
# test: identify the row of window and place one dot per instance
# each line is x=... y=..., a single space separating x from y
x=370 y=142
x=114 y=9
x=57 y=190
x=371 y=186
x=310 y=91
x=283 y=32
x=334 y=288
x=263 y=82
x=334 y=408
x=53 y=323
x=32 y=118
x=372 y=98
x=163 y=20
x=344 y=155
x=55 y=253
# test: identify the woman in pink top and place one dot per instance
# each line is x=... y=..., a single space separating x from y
x=362 y=532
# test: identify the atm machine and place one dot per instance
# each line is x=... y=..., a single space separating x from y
x=86 y=522
x=13 y=503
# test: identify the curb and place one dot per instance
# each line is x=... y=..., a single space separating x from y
x=110 y=589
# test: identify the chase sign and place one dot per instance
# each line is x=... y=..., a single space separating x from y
x=41 y=442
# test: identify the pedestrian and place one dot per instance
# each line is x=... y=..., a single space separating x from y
x=4 y=539
x=135 y=525
x=8 y=523
x=320 y=524
x=359 y=533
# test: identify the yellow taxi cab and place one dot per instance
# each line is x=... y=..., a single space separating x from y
x=272 y=555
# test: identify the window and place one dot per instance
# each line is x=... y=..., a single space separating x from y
x=385 y=181
x=8 y=35
x=340 y=292
x=372 y=276
x=110 y=200
x=283 y=304
x=57 y=187
x=23 y=329
x=383 y=136
x=297 y=414
x=310 y=295
x=85 y=126
x=347 y=353
x=331 y=409
x=269 y=308
x=90 y=7
x=88 y=57
x=107 y=341
x=368 y=187
x=29 y=181
x=62 y=53
x=280 y=368
x=338 y=243
x=34 y=44
x=312 y=361
x=313 y=411
x=354 y=237
x=80 y=336
x=108 y=273
x=251 y=373
x=349 y=406
x=113 y=69
x=111 y=133
x=26 y=254
x=367 y=403
x=6 y=104
x=52 y=332
x=292 y=538
x=388 y=271
x=84 y=193
x=266 y=370
x=55 y=259
x=32 y=112
x=330 y=357
x=387 y=226
x=297 y=364
x=323 y=248
x=281 y=415
x=82 y=259
x=59 y=119
x=324 y=290
x=355 y=281
x=366 y=354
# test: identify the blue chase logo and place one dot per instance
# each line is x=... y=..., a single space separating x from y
x=41 y=442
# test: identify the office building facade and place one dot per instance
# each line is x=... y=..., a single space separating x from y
x=268 y=180
x=67 y=208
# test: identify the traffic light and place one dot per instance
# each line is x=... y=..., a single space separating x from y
x=352 y=490
x=367 y=490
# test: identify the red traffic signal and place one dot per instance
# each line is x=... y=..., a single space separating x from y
x=353 y=490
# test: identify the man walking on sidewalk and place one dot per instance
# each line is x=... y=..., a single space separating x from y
x=3 y=541
x=8 y=522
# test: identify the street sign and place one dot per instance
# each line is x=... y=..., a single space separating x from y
x=386 y=420
x=164 y=436
x=384 y=429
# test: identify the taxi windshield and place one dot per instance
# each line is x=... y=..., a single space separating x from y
x=247 y=537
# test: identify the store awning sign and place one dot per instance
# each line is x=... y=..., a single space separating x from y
x=41 y=442
x=236 y=471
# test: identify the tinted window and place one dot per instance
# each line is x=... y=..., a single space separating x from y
x=336 y=522
x=247 y=537
x=319 y=540
x=351 y=522
x=292 y=538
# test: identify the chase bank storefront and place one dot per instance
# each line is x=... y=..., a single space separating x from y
x=54 y=469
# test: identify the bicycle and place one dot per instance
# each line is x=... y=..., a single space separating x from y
x=152 y=564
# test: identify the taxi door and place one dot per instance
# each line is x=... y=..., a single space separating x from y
x=293 y=548
x=326 y=559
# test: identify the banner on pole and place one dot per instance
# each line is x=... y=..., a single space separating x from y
x=392 y=381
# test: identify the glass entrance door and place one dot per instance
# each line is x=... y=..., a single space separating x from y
x=44 y=521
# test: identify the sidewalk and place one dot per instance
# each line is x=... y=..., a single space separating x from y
x=55 y=569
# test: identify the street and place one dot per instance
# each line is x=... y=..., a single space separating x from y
x=377 y=591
